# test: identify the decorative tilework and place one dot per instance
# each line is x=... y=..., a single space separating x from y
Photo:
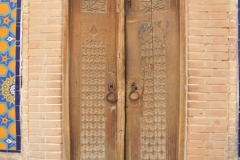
x=10 y=20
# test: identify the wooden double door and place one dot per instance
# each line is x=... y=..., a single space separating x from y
x=124 y=79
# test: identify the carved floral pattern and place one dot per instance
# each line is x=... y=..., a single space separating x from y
x=98 y=6
x=152 y=5
x=153 y=122
x=92 y=100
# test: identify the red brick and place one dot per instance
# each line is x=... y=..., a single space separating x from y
x=199 y=88
x=196 y=7
x=194 y=80
x=200 y=56
x=217 y=81
x=196 y=15
x=220 y=89
x=199 y=23
x=196 y=113
x=200 y=40
x=198 y=121
x=195 y=129
x=214 y=158
x=217 y=96
x=219 y=104
x=191 y=157
x=217 y=64
x=196 y=97
x=216 y=145
x=198 y=151
x=216 y=129
x=200 y=73
x=216 y=31
x=195 y=144
x=220 y=23
x=199 y=105
x=215 y=113
x=195 y=64
x=198 y=136
x=216 y=48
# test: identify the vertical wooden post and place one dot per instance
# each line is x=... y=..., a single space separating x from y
x=120 y=79
x=65 y=84
x=183 y=82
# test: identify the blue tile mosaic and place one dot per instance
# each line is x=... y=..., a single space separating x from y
x=10 y=31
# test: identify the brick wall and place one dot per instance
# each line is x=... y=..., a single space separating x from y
x=212 y=80
x=41 y=81
x=211 y=67
x=25 y=80
x=44 y=79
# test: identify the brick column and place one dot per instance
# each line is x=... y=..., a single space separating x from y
x=211 y=79
x=45 y=79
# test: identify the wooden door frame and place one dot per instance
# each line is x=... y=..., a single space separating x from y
x=66 y=74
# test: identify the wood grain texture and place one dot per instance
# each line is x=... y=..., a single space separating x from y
x=120 y=78
x=152 y=63
x=93 y=66
x=183 y=82
x=65 y=84
x=120 y=32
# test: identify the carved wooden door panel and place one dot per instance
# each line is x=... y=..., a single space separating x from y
x=93 y=68
x=152 y=67
x=152 y=80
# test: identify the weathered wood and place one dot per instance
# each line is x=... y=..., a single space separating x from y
x=120 y=79
x=65 y=84
x=132 y=131
x=134 y=109
x=152 y=63
x=93 y=69
x=183 y=87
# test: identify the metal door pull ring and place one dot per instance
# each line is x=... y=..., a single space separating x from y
x=134 y=95
x=112 y=92
x=131 y=95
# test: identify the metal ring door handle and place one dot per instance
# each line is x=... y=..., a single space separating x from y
x=134 y=95
x=111 y=95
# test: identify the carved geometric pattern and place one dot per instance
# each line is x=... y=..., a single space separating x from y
x=153 y=68
x=96 y=6
x=152 y=5
x=93 y=31
x=92 y=100
x=10 y=36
